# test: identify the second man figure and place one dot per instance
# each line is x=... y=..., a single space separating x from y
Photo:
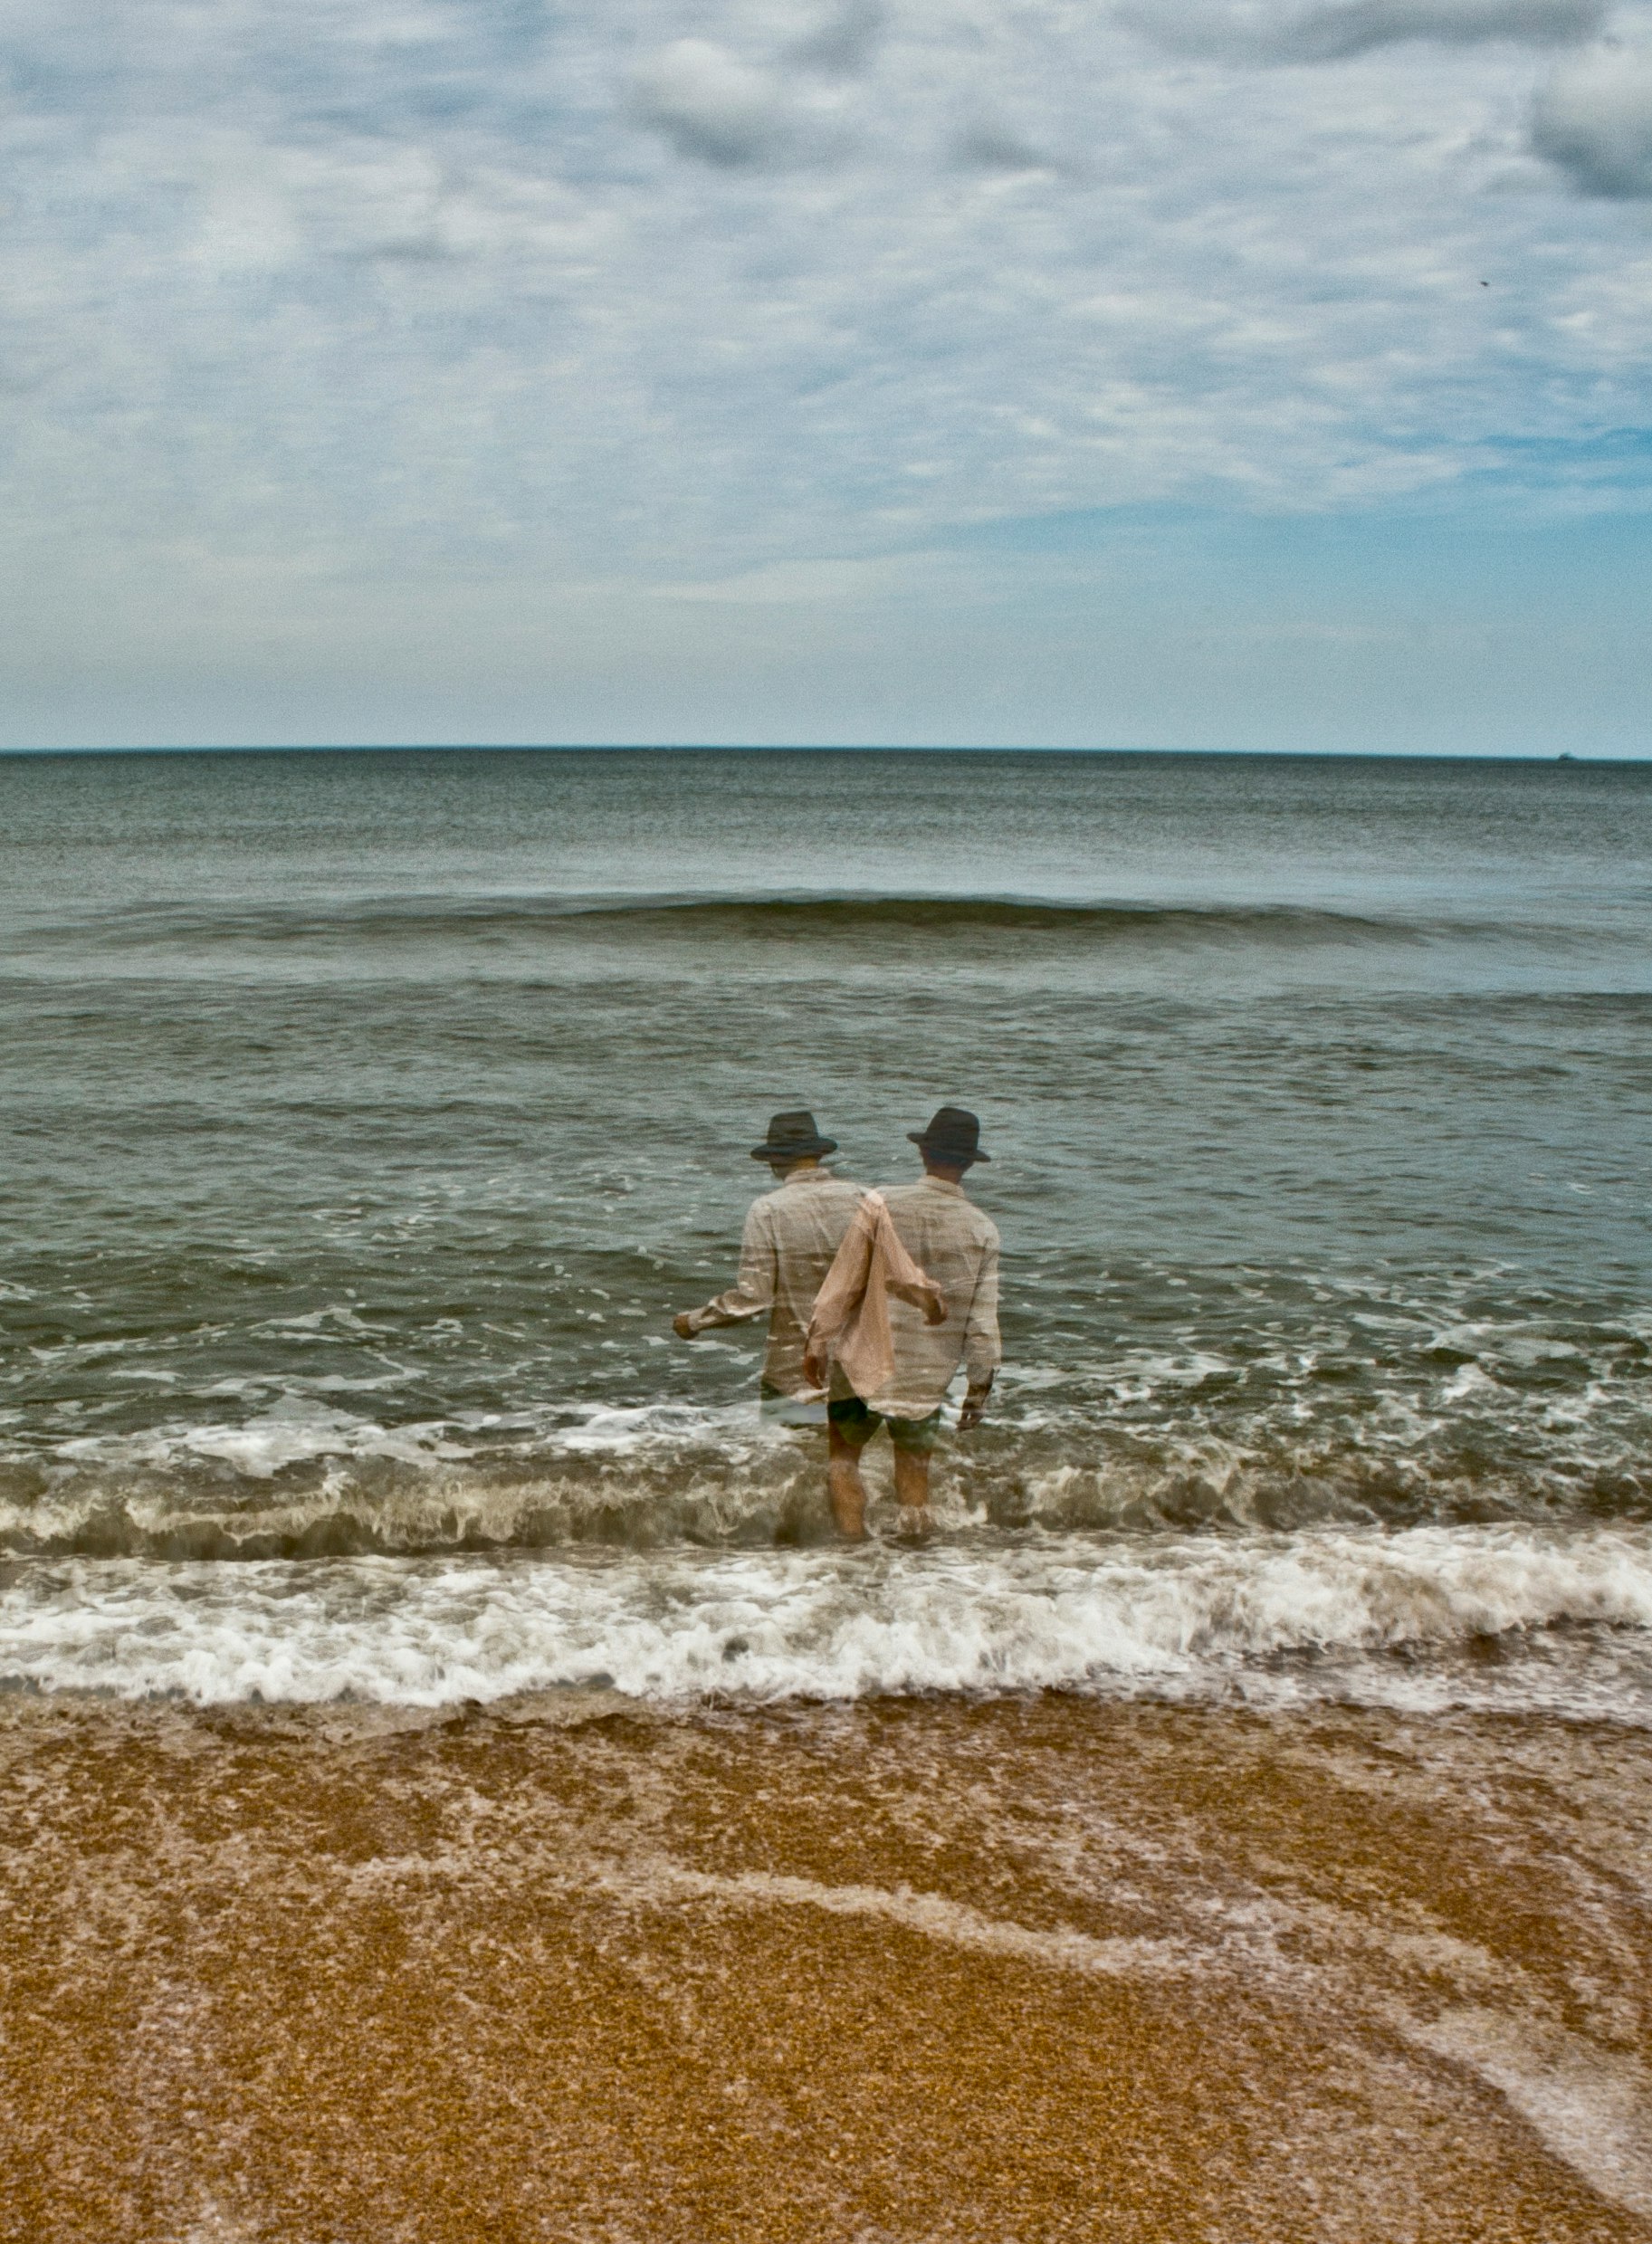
x=791 y=1235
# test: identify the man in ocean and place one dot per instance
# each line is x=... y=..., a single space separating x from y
x=955 y=1245
x=791 y=1235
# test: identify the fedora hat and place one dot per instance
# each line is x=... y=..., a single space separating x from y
x=954 y=1134
x=793 y=1137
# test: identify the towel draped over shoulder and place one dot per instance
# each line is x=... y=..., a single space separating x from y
x=850 y=1325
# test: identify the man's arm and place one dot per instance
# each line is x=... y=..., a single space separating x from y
x=983 y=1351
x=973 y=1408
x=751 y=1293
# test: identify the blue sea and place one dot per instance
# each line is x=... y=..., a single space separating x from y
x=367 y=1116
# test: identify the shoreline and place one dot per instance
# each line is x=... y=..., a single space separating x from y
x=1020 y=1969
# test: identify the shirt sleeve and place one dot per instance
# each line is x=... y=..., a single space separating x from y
x=983 y=1350
x=752 y=1293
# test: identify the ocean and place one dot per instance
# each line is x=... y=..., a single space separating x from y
x=367 y=1116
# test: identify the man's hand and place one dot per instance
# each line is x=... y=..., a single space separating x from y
x=815 y=1370
x=974 y=1408
x=682 y=1326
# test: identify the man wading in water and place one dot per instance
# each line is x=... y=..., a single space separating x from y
x=791 y=1238
x=955 y=1248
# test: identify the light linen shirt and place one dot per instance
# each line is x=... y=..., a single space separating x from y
x=957 y=1244
x=791 y=1238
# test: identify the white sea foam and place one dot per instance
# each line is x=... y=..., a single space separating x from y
x=1589 y=2106
x=1314 y=1613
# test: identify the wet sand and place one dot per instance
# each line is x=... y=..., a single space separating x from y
x=1008 y=1972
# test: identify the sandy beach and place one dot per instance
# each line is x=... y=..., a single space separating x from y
x=1018 y=1970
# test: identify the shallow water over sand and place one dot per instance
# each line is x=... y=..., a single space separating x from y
x=1030 y=1968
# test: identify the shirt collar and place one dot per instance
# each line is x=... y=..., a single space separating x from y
x=944 y=1184
x=808 y=1176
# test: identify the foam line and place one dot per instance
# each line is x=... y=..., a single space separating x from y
x=1144 y=1614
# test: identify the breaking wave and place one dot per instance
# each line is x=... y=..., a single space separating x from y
x=306 y=1481
x=1427 y=1616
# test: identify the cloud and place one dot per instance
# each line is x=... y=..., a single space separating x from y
x=1594 y=119
x=493 y=294
x=808 y=582
x=1244 y=29
x=1328 y=35
x=989 y=147
x=845 y=41
x=717 y=109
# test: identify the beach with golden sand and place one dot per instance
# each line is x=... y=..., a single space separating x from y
x=1013 y=1969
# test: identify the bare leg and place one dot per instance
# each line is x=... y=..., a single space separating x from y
x=844 y=1487
x=913 y=1488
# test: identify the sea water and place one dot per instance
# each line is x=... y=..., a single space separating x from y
x=367 y=1116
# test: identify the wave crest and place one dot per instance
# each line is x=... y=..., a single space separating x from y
x=1319 y=1614
x=782 y=915
x=654 y=1480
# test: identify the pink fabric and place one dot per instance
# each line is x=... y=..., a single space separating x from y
x=850 y=1326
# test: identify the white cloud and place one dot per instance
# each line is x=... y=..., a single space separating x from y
x=1593 y=117
x=1280 y=31
x=807 y=582
x=719 y=110
x=494 y=295
x=844 y=40
x=989 y=145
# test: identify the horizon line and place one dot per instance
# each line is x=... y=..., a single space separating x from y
x=822 y=748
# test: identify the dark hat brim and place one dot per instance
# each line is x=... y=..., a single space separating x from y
x=805 y=1149
x=945 y=1147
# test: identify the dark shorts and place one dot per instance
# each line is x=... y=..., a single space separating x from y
x=858 y=1424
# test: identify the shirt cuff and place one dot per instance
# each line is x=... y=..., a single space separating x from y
x=716 y=1312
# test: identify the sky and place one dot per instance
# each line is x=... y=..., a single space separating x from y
x=1256 y=373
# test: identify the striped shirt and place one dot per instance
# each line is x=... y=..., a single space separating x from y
x=791 y=1236
x=954 y=1243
